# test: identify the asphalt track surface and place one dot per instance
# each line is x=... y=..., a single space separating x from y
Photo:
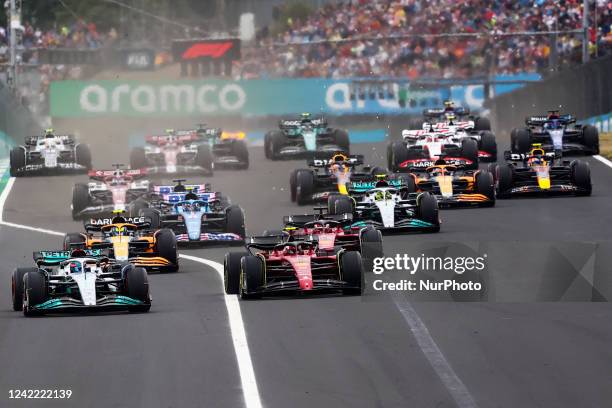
x=321 y=351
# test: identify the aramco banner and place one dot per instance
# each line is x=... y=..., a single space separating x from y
x=264 y=97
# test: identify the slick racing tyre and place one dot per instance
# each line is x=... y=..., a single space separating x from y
x=17 y=287
x=427 y=210
x=590 y=138
x=240 y=150
x=231 y=272
x=83 y=155
x=137 y=287
x=520 y=140
x=17 y=159
x=80 y=198
x=138 y=158
x=341 y=138
x=371 y=243
x=469 y=150
x=351 y=272
x=152 y=215
x=293 y=184
x=273 y=142
x=397 y=154
x=74 y=240
x=485 y=185
x=205 y=159
x=339 y=204
x=581 y=177
x=492 y=168
x=234 y=221
x=504 y=180
x=251 y=276
x=304 y=186
x=136 y=206
x=35 y=291
x=488 y=144
x=408 y=184
x=165 y=247
x=482 y=124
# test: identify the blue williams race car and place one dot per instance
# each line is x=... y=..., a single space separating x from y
x=196 y=214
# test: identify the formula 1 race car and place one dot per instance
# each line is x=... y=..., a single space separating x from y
x=274 y=265
x=390 y=208
x=182 y=152
x=454 y=187
x=79 y=280
x=462 y=114
x=108 y=191
x=305 y=136
x=129 y=239
x=541 y=173
x=229 y=149
x=49 y=154
x=420 y=149
x=196 y=214
x=333 y=232
x=555 y=132
x=329 y=176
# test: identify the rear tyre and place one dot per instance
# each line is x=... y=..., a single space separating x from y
x=251 y=276
x=35 y=292
x=231 y=272
x=408 y=185
x=340 y=205
x=397 y=154
x=273 y=142
x=371 y=243
x=485 y=185
x=351 y=272
x=427 y=210
x=234 y=221
x=520 y=141
x=137 y=285
x=504 y=181
x=17 y=159
x=469 y=150
x=304 y=187
x=165 y=246
x=293 y=184
x=342 y=139
x=482 y=124
x=74 y=240
x=590 y=138
x=80 y=199
x=489 y=144
x=17 y=287
x=83 y=156
x=205 y=159
x=242 y=153
x=581 y=176
x=138 y=158
x=153 y=215
x=271 y=233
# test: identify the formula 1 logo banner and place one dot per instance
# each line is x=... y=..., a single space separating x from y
x=493 y=272
x=189 y=50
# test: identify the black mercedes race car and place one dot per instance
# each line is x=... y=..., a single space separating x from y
x=229 y=149
x=541 y=173
x=555 y=132
x=329 y=176
x=305 y=136
x=49 y=154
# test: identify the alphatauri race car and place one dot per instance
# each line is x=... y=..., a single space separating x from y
x=390 y=209
x=175 y=152
x=129 y=239
x=555 y=133
x=454 y=187
x=329 y=176
x=420 y=149
x=49 y=154
x=275 y=265
x=196 y=214
x=462 y=114
x=305 y=136
x=108 y=191
x=541 y=173
x=229 y=149
x=79 y=280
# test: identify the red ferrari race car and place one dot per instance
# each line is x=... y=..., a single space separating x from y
x=274 y=265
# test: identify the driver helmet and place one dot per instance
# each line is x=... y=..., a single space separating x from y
x=554 y=124
x=49 y=133
x=76 y=267
x=191 y=196
x=305 y=118
x=449 y=105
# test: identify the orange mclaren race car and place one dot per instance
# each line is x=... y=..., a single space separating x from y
x=454 y=187
x=129 y=239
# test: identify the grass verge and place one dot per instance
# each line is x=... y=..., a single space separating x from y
x=605 y=145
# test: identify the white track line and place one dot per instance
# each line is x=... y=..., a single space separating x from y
x=603 y=160
x=250 y=391
x=432 y=352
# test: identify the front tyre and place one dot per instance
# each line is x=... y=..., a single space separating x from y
x=17 y=160
x=17 y=289
x=351 y=272
x=35 y=292
x=165 y=247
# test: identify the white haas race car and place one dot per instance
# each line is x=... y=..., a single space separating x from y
x=49 y=154
x=108 y=191
x=176 y=152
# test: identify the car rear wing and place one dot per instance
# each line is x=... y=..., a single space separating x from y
x=542 y=120
x=181 y=137
x=96 y=224
x=294 y=124
x=65 y=139
x=302 y=219
x=100 y=175
x=521 y=157
x=193 y=188
x=324 y=160
x=207 y=132
x=51 y=257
